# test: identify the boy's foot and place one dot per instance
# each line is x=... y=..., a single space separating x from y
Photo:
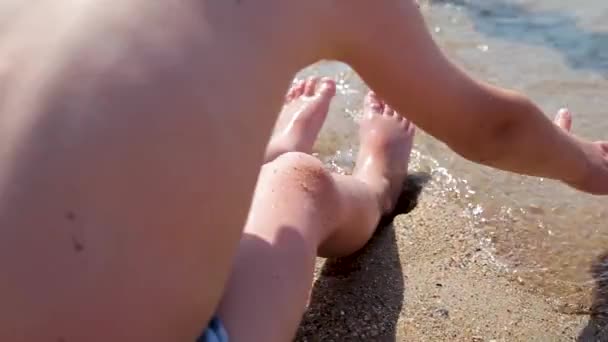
x=303 y=115
x=386 y=143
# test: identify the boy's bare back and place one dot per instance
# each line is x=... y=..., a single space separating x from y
x=133 y=133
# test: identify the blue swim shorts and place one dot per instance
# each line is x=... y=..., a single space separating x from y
x=215 y=332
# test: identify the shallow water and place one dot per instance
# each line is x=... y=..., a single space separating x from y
x=556 y=52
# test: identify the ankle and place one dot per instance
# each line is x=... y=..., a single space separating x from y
x=378 y=186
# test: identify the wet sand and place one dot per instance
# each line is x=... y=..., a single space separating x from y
x=427 y=278
x=436 y=274
x=555 y=52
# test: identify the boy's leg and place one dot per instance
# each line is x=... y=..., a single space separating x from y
x=301 y=210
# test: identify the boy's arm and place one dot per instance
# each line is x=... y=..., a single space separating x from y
x=388 y=44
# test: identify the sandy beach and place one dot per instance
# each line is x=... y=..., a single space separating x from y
x=426 y=278
x=517 y=265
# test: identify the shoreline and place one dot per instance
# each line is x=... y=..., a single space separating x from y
x=426 y=278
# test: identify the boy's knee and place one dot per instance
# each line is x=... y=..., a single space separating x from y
x=303 y=173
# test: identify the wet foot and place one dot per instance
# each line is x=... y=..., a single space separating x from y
x=386 y=143
x=303 y=115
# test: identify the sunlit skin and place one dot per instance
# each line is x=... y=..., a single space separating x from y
x=133 y=134
x=301 y=210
